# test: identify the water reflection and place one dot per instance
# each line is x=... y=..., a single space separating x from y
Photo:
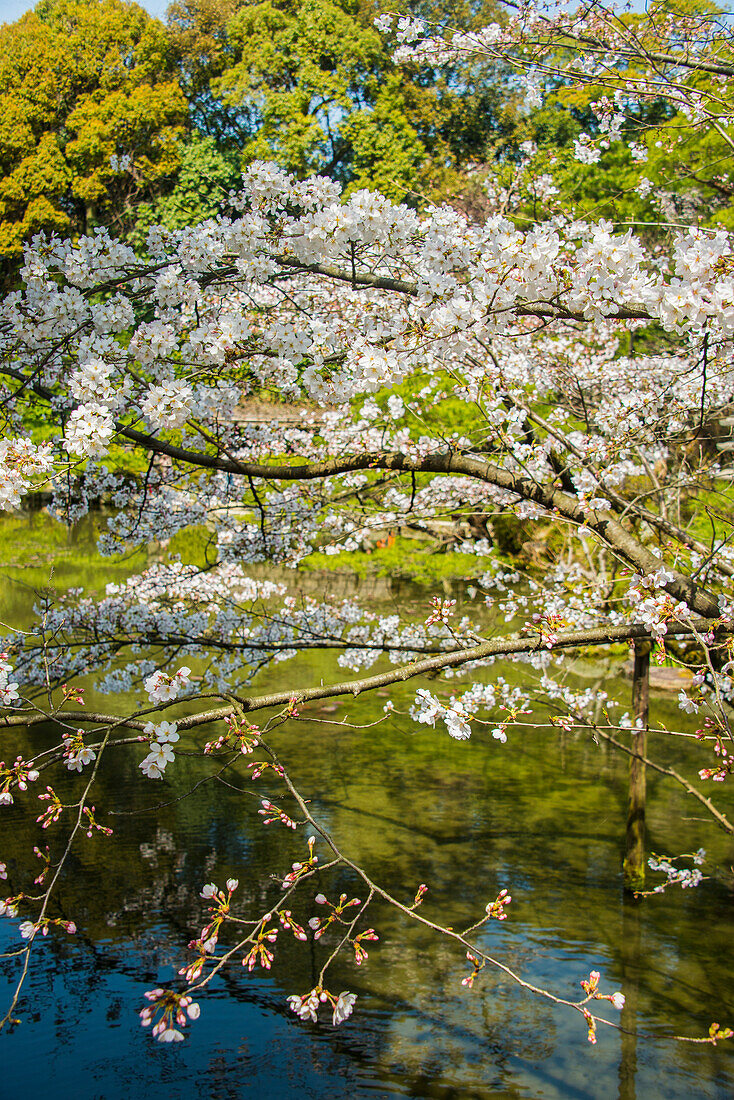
x=543 y=816
x=630 y=976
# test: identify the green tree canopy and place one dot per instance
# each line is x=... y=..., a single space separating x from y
x=311 y=84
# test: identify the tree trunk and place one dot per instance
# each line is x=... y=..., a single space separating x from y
x=634 y=860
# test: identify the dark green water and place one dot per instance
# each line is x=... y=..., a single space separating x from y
x=542 y=816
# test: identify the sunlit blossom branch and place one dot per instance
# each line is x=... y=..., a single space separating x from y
x=498 y=647
x=609 y=529
x=542 y=310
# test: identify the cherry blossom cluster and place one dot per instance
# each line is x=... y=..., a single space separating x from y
x=270 y=813
x=222 y=612
x=260 y=953
x=241 y=736
x=53 y=811
x=15 y=776
x=21 y=463
x=496 y=908
x=164 y=689
x=173 y=1010
x=301 y=868
x=467 y=283
x=28 y=929
x=8 y=687
x=161 y=737
x=457 y=713
x=724 y=763
x=634 y=61
x=307 y=1005
x=441 y=611
x=167 y=406
x=76 y=754
x=319 y=925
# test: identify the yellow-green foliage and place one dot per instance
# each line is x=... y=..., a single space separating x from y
x=38 y=553
x=81 y=80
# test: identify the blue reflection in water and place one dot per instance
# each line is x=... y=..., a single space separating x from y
x=416 y=1031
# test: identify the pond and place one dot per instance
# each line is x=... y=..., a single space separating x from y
x=542 y=816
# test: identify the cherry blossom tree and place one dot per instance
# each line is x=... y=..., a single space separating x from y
x=568 y=378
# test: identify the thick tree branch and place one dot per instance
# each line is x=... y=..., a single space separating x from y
x=630 y=549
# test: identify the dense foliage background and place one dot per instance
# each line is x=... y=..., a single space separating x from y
x=109 y=117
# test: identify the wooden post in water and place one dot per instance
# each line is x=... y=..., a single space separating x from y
x=634 y=858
